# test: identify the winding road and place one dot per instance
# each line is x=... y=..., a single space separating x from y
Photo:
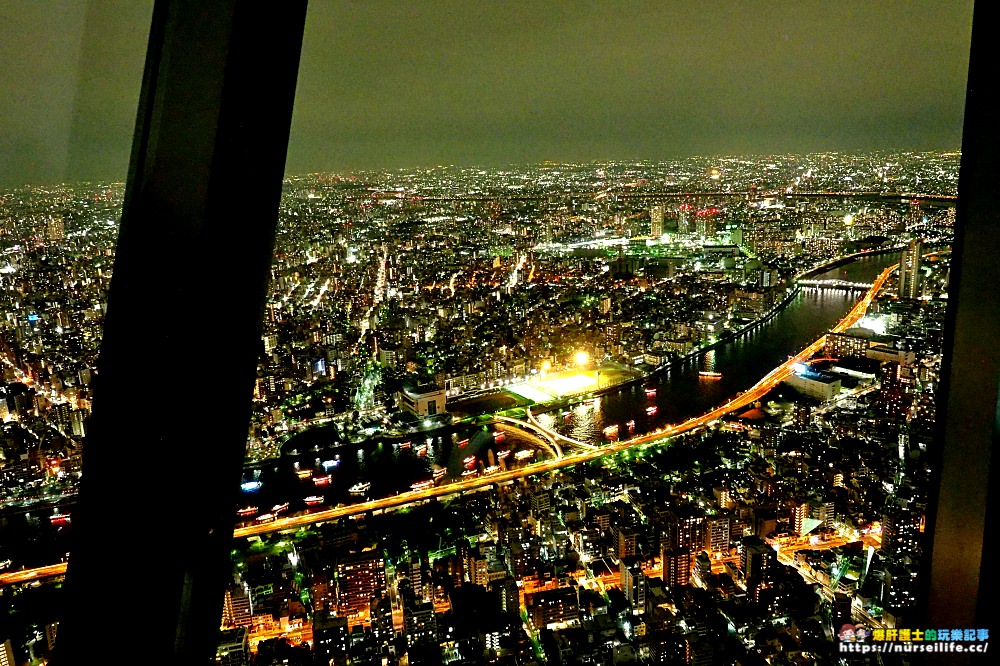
x=758 y=391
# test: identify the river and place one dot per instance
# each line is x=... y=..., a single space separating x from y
x=391 y=465
x=681 y=392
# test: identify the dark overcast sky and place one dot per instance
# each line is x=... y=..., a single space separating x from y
x=397 y=84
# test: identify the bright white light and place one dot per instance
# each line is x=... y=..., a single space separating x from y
x=876 y=324
x=799 y=368
x=570 y=384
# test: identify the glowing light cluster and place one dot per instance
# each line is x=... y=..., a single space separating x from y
x=574 y=383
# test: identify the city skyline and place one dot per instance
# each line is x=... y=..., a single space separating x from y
x=527 y=266
x=497 y=295
x=432 y=84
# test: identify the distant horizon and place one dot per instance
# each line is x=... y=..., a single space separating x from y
x=665 y=160
x=723 y=155
x=387 y=86
x=516 y=165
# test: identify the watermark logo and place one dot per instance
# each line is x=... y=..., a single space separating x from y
x=861 y=639
x=852 y=634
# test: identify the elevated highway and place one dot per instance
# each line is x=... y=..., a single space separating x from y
x=290 y=524
x=547 y=436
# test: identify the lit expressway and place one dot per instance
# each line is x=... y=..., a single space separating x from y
x=759 y=390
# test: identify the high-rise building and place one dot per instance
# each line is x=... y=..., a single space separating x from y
x=800 y=518
x=553 y=606
x=61 y=415
x=724 y=497
x=236 y=608
x=702 y=568
x=845 y=345
x=331 y=637
x=50 y=634
x=757 y=560
x=419 y=623
x=234 y=647
x=478 y=571
x=78 y=422
x=717 y=533
x=704 y=223
x=684 y=527
x=685 y=215
x=627 y=541
x=633 y=583
x=7 y=654
x=698 y=650
x=587 y=541
x=359 y=578
x=901 y=523
x=55 y=230
x=417 y=576
x=823 y=510
x=381 y=617
x=899 y=593
x=509 y=595
x=909 y=270
x=541 y=502
x=656 y=221
x=675 y=566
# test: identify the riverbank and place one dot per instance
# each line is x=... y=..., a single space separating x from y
x=680 y=361
x=480 y=408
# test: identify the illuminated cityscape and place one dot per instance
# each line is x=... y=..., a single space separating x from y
x=665 y=412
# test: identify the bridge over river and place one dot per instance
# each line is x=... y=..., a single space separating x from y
x=567 y=448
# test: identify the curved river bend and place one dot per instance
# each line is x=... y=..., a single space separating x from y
x=391 y=466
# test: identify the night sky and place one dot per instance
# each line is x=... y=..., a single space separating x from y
x=420 y=83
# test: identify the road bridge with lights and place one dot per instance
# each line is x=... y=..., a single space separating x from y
x=836 y=284
x=290 y=524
